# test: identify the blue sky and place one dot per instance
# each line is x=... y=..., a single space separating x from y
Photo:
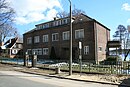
x=111 y=13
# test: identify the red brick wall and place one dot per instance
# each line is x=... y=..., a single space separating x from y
x=103 y=35
x=88 y=40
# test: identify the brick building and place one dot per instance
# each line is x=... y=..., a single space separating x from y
x=50 y=40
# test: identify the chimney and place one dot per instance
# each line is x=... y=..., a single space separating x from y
x=55 y=18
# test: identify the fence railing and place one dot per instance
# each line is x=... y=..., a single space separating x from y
x=105 y=68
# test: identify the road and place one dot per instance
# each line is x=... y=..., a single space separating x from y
x=19 y=79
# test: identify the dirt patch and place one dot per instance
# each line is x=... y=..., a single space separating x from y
x=107 y=78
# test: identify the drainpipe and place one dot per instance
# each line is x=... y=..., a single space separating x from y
x=96 y=42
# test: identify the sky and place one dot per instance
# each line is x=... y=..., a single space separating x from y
x=110 y=13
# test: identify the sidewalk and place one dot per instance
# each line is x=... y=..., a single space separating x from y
x=97 y=78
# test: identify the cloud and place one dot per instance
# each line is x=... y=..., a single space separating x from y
x=29 y=11
x=126 y=7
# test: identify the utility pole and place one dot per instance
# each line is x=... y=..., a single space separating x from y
x=70 y=62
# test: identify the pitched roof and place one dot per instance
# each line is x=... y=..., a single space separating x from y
x=10 y=42
x=78 y=18
x=91 y=19
x=30 y=31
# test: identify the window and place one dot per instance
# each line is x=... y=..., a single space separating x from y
x=45 y=51
x=39 y=51
x=55 y=37
x=34 y=51
x=100 y=48
x=20 y=46
x=59 y=22
x=43 y=26
x=56 y=23
x=29 y=51
x=29 y=40
x=45 y=38
x=38 y=27
x=64 y=21
x=36 y=39
x=66 y=35
x=14 y=51
x=86 y=50
x=46 y=25
x=79 y=33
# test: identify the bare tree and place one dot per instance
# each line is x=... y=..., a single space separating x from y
x=7 y=31
x=6 y=20
x=122 y=34
x=75 y=12
x=127 y=42
x=62 y=14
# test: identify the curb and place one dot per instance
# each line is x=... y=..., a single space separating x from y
x=71 y=78
x=60 y=77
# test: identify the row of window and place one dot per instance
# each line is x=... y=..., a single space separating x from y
x=45 y=51
x=39 y=51
x=18 y=46
x=54 y=23
x=55 y=36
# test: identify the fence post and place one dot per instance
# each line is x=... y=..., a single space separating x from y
x=89 y=67
x=111 y=69
x=34 y=59
x=128 y=67
x=26 y=60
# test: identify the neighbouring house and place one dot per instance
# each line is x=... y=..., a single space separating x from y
x=51 y=40
x=113 y=48
x=13 y=48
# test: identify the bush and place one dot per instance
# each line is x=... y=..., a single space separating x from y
x=112 y=60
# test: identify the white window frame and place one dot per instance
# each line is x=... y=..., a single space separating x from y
x=45 y=38
x=29 y=40
x=14 y=51
x=55 y=37
x=59 y=22
x=45 y=51
x=19 y=46
x=34 y=51
x=39 y=51
x=46 y=25
x=79 y=33
x=66 y=35
x=43 y=26
x=38 y=27
x=29 y=51
x=36 y=39
x=64 y=21
x=86 y=50
x=56 y=23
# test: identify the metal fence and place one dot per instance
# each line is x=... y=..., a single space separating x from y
x=86 y=67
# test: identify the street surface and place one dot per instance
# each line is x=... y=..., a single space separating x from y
x=19 y=79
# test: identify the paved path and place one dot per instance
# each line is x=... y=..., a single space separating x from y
x=19 y=79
